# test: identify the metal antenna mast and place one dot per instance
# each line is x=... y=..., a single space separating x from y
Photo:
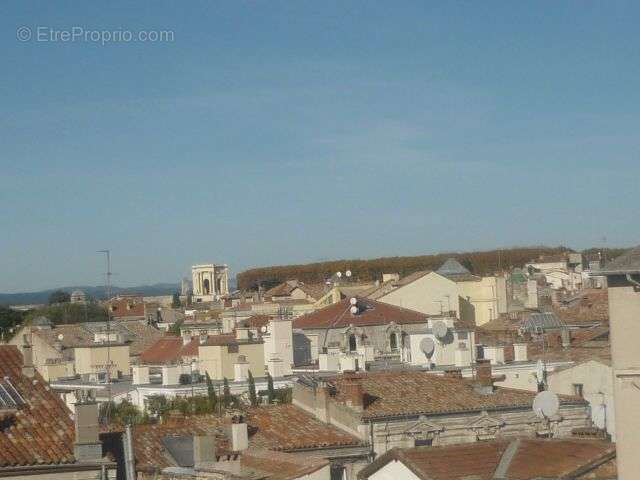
x=108 y=294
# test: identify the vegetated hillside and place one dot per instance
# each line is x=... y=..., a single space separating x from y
x=41 y=297
x=480 y=263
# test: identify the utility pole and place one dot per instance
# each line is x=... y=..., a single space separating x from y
x=108 y=294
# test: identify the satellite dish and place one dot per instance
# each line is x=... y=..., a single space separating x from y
x=339 y=274
x=348 y=273
x=353 y=301
x=263 y=329
x=440 y=329
x=428 y=346
x=546 y=404
x=354 y=310
x=60 y=336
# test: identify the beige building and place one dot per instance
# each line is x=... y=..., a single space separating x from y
x=210 y=282
x=412 y=408
x=593 y=381
x=61 y=351
x=623 y=280
x=231 y=356
x=478 y=295
x=426 y=292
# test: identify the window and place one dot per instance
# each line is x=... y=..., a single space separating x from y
x=424 y=442
x=353 y=345
x=578 y=390
x=393 y=342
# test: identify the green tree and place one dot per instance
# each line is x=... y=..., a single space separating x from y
x=175 y=301
x=253 y=397
x=123 y=413
x=59 y=297
x=211 y=392
x=9 y=321
x=227 y=399
x=271 y=393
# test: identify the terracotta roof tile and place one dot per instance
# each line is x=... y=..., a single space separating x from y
x=371 y=312
x=533 y=459
x=281 y=466
x=40 y=432
x=289 y=428
x=274 y=427
x=412 y=392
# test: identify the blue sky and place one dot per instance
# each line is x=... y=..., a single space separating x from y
x=280 y=132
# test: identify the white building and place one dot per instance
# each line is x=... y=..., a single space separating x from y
x=210 y=282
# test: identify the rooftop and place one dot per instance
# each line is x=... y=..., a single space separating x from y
x=138 y=336
x=370 y=312
x=388 y=394
x=40 y=431
x=284 y=428
x=628 y=262
x=454 y=270
x=520 y=459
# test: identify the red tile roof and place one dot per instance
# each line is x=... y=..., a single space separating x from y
x=371 y=312
x=123 y=307
x=274 y=427
x=394 y=393
x=39 y=432
x=289 y=428
x=281 y=466
x=168 y=349
x=532 y=459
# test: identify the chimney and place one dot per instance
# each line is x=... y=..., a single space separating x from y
x=140 y=374
x=241 y=369
x=520 y=353
x=353 y=390
x=170 y=375
x=239 y=434
x=27 y=355
x=242 y=333
x=87 y=446
x=322 y=402
x=484 y=380
x=204 y=449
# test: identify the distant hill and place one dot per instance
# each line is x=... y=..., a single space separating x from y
x=480 y=263
x=28 y=298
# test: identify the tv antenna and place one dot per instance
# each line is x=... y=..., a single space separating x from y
x=108 y=295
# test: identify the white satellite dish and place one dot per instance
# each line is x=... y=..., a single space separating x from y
x=440 y=330
x=339 y=274
x=353 y=301
x=354 y=310
x=428 y=346
x=60 y=336
x=546 y=404
x=263 y=329
x=348 y=273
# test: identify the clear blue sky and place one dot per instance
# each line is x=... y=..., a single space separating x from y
x=278 y=132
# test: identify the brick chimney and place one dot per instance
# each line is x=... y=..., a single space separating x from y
x=27 y=355
x=484 y=380
x=353 y=390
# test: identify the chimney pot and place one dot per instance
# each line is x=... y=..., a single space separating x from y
x=204 y=449
x=483 y=373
